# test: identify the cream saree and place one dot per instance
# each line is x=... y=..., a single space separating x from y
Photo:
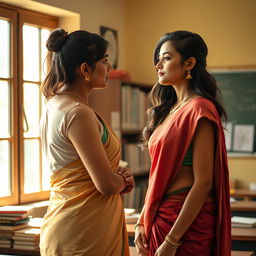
x=80 y=220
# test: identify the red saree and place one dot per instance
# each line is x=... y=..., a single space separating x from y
x=168 y=146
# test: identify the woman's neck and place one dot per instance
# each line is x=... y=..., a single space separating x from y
x=182 y=92
x=81 y=91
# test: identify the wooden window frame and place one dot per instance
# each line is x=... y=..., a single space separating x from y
x=11 y=15
x=18 y=18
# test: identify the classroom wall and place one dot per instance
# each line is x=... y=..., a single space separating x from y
x=85 y=14
x=228 y=28
x=96 y=13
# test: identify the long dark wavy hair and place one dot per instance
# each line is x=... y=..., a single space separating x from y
x=162 y=98
x=67 y=52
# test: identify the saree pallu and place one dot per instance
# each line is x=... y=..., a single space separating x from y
x=167 y=147
x=80 y=221
x=198 y=239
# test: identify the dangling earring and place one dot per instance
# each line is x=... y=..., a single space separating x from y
x=188 y=76
x=86 y=78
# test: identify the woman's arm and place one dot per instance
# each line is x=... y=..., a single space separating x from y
x=84 y=134
x=203 y=160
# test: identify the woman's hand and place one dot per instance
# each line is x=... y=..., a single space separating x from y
x=140 y=241
x=165 y=250
x=127 y=175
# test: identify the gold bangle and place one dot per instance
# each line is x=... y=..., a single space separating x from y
x=169 y=244
x=172 y=242
x=138 y=224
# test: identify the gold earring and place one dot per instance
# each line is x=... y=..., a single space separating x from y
x=86 y=78
x=188 y=76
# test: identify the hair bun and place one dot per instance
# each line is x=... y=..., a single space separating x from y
x=56 y=40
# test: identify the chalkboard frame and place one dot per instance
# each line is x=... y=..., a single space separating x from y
x=224 y=73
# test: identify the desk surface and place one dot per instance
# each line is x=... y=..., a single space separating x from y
x=233 y=253
x=244 y=234
x=240 y=234
x=244 y=206
x=246 y=193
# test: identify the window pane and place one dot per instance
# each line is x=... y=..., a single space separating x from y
x=30 y=53
x=31 y=166
x=5 y=168
x=31 y=99
x=46 y=174
x=5 y=109
x=5 y=49
x=44 y=36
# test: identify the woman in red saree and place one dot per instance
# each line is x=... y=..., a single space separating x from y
x=187 y=209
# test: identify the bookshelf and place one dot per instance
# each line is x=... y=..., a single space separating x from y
x=123 y=105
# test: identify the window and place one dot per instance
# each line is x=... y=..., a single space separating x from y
x=22 y=69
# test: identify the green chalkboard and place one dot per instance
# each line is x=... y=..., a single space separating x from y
x=239 y=96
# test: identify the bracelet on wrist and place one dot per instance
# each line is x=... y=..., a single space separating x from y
x=138 y=224
x=171 y=242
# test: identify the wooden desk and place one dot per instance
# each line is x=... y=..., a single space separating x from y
x=242 y=238
x=246 y=194
x=242 y=234
x=244 y=206
x=10 y=251
x=233 y=253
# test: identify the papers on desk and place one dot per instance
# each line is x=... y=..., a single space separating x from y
x=232 y=200
x=131 y=217
x=129 y=211
x=243 y=222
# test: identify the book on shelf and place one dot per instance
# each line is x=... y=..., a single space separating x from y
x=25 y=247
x=13 y=228
x=243 y=222
x=13 y=222
x=138 y=160
x=26 y=238
x=134 y=105
x=8 y=242
x=27 y=232
x=5 y=245
x=15 y=217
x=6 y=233
x=15 y=210
x=26 y=243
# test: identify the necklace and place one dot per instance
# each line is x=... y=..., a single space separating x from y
x=180 y=104
x=74 y=95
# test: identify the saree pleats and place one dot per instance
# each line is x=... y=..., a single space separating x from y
x=80 y=220
x=198 y=240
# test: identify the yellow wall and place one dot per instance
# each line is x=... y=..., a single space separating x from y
x=85 y=14
x=228 y=27
x=243 y=170
x=95 y=13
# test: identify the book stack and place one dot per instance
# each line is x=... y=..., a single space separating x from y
x=243 y=222
x=12 y=218
x=6 y=238
x=131 y=217
x=26 y=239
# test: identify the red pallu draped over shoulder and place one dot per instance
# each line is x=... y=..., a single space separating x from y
x=168 y=146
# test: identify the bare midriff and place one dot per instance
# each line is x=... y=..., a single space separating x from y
x=183 y=182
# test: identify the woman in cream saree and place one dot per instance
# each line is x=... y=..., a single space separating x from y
x=85 y=216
